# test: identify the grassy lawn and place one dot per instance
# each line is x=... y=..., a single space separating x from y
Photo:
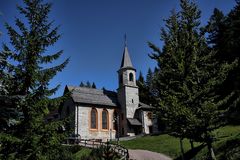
x=81 y=153
x=227 y=145
x=170 y=145
x=227 y=132
x=162 y=144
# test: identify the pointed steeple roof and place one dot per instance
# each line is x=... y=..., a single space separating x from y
x=126 y=61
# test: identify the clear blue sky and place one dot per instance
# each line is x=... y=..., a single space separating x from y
x=93 y=30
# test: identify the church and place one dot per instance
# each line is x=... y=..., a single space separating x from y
x=107 y=115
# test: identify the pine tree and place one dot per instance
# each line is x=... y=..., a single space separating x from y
x=149 y=78
x=82 y=84
x=189 y=77
x=93 y=85
x=143 y=90
x=8 y=113
x=140 y=78
x=224 y=38
x=32 y=137
x=88 y=84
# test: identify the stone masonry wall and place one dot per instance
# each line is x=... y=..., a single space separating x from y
x=83 y=124
x=132 y=101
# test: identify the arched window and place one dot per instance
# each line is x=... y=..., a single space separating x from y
x=131 y=77
x=104 y=119
x=94 y=119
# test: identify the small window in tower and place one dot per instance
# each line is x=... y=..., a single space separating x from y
x=132 y=101
x=131 y=77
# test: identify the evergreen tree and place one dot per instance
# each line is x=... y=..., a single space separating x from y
x=224 y=38
x=93 y=85
x=88 y=85
x=147 y=90
x=82 y=84
x=149 y=78
x=31 y=137
x=143 y=90
x=140 y=78
x=150 y=84
x=188 y=78
x=216 y=28
x=8 y=114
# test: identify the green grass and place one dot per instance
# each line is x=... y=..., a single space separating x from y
x=162 y=144
x=227 y=132
x=227 y=139
x=83 y=152
x=227 y=145
x=170 y=145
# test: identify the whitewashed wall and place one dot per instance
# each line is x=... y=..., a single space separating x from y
x=82 y=124
x=147 y=122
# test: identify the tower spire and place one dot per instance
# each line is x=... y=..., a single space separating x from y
x=126 y=61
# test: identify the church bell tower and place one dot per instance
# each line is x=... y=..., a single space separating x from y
x=127 y=90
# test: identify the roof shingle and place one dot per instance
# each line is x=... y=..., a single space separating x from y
x=134 y=122
x=93 y=96
x=144 y=106
x=126 y=61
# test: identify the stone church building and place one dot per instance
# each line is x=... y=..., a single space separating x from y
x=103 y=114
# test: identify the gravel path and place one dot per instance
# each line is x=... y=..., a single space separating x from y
x=146 y=155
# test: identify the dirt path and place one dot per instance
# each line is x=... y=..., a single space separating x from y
x=146 y=155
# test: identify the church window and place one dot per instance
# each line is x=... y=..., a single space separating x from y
x=93 y=118
x=131 y=77
x=104 y=119
x=132 y=101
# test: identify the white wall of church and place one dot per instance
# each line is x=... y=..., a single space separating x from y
x=83 y=124
x=147 y=121
x=132 y=101
x=126 y=80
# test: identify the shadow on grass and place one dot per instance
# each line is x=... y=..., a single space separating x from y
x=191 y=153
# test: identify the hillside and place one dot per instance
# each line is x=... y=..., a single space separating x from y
x=227 y=144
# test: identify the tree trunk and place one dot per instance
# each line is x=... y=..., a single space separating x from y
x=211 y=152
x=191 y=142
x=182 y=150
x=192 y=147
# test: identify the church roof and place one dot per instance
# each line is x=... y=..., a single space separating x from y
x=126 y=61
x=93 y=96
x=144 y=106
x=134 y=122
